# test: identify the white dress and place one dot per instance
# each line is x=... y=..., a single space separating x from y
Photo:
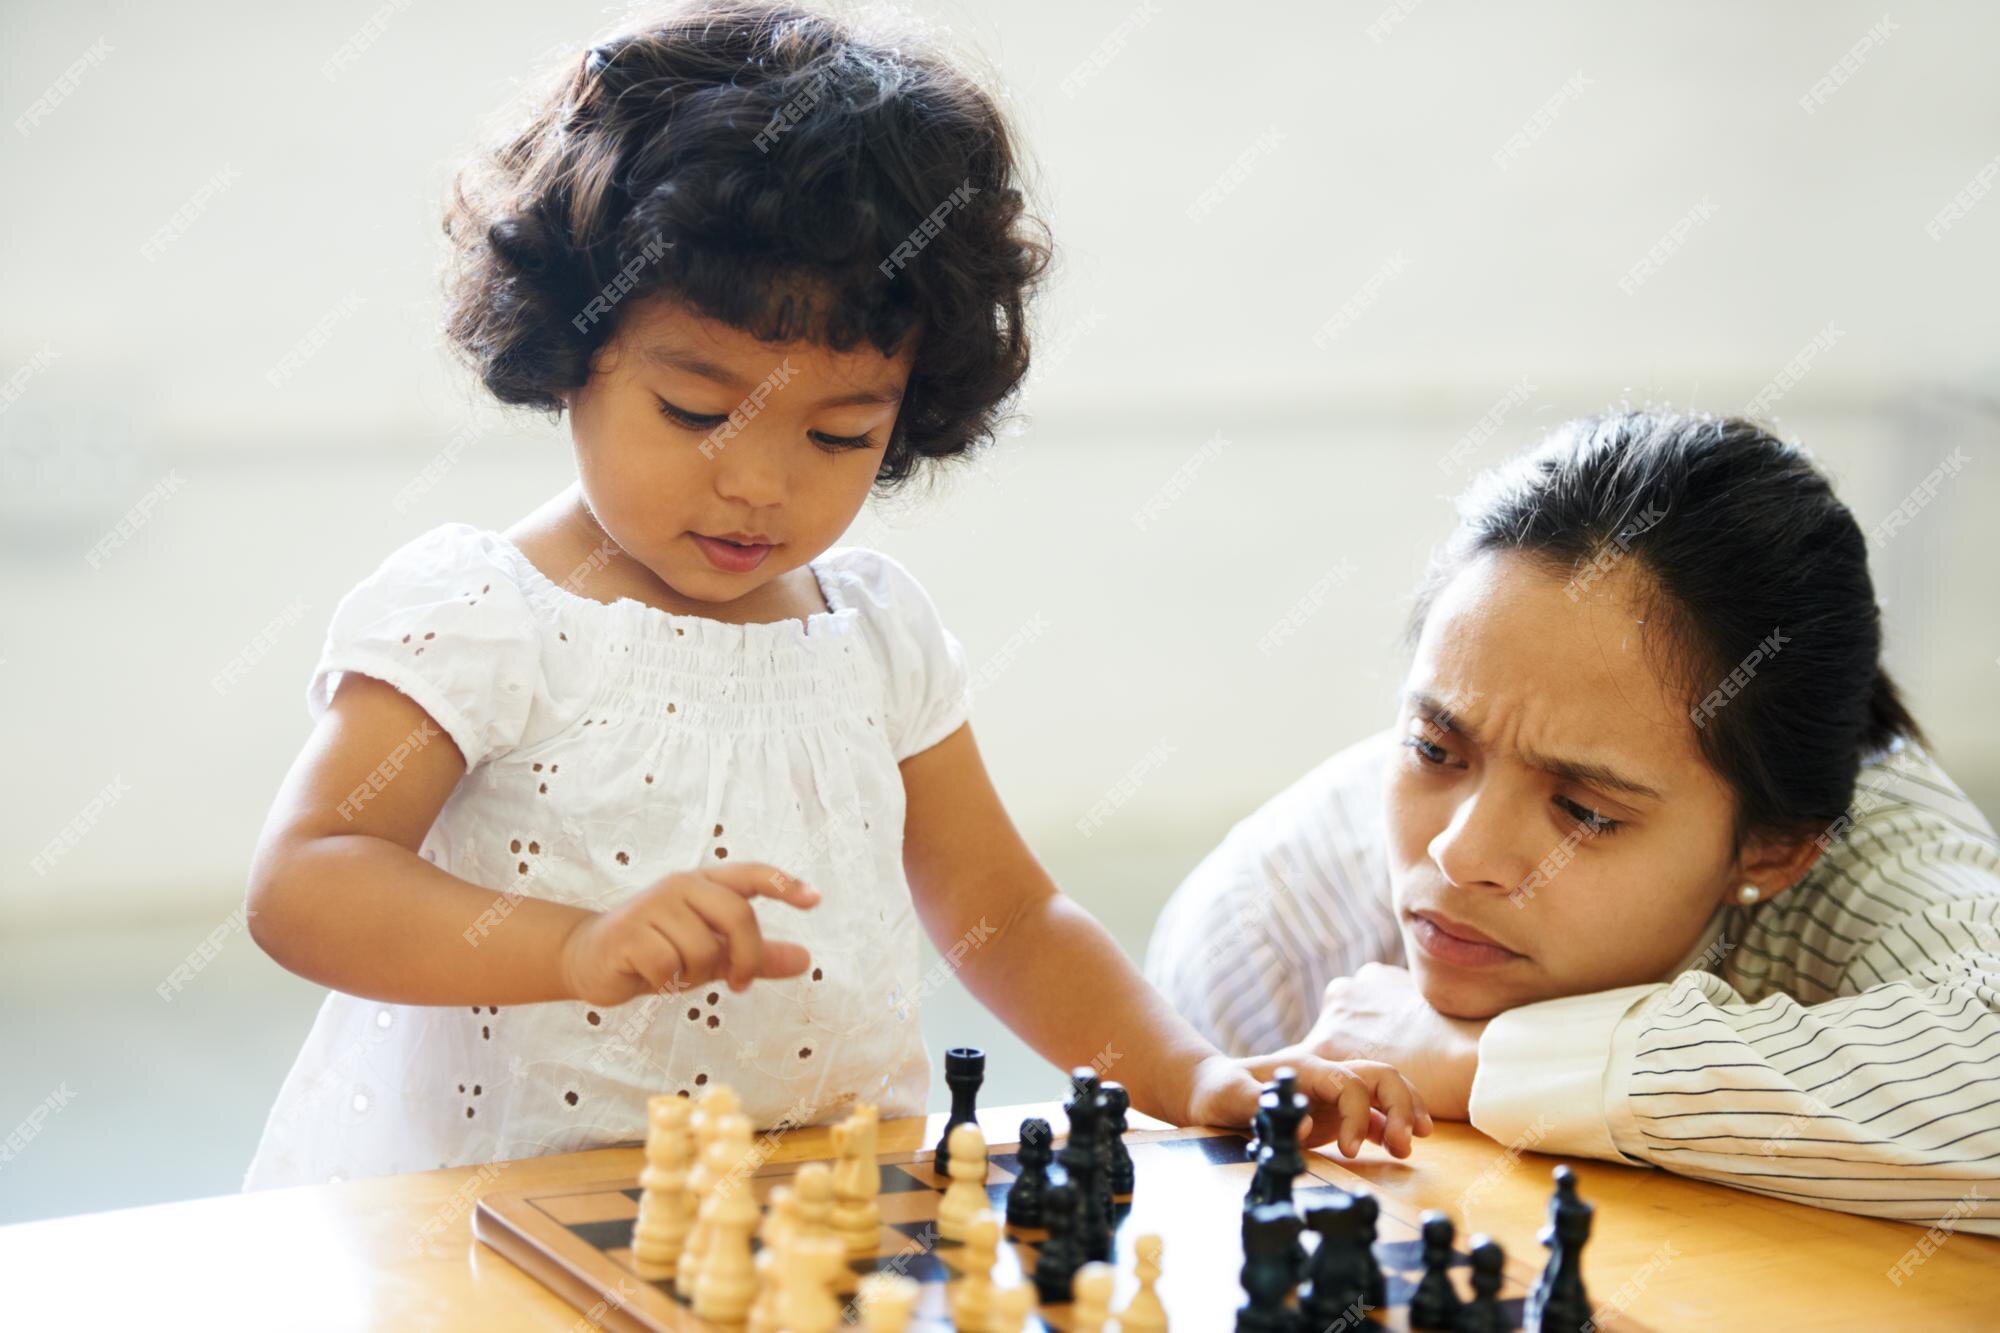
x=607 y=746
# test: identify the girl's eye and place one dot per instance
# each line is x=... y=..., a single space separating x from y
x=1591 y=821
x=839 y=443
x=689 y=420
x=1427 y=753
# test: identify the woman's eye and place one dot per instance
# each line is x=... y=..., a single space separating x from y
x=690 y=420
x=1426 y=751
x=837 y=443
x=1592 y=822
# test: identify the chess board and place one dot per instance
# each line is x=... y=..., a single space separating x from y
x=576 y=1239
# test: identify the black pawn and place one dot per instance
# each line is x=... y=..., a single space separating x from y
x=1270 y=1238
x=1434 y=1304
x=1338 y=1296
x=1117 y=1104
x=964 y=1071
x=1280 y=1111
x=1058 y=1259
x=1029 y=1190
x=1367 y=1211
x=1558 y=1303
x=1482 y=1314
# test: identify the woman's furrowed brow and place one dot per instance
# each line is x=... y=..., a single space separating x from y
x=1589 y=772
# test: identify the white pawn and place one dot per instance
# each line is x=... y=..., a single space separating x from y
x=1090 y=1303
x=666 y=1208
x=857 y=1181
x=808 y=1270
x=887 y=1302
x=1012 y=1306
x=1145 y=1313
x=972 y=1294
x=726 y=1134
x=706 y=1119
x=814 y=1210
x=775 y=1231
x=967 y=1192
x=726 y=1286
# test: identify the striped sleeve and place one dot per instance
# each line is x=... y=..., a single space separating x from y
x=1296 y=895
x=1847 y=1055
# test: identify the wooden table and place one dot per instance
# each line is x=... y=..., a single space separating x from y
x=397 y=1253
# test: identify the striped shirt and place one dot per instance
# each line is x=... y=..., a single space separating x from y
x=1838 y=1045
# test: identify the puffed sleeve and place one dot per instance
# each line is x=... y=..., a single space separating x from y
x=927 y=689
x=443 y=621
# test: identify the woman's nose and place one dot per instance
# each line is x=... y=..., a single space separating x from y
x=1485 y=843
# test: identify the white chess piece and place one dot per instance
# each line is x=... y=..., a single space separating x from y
x=887 y=1302
x=775 y=1231
x=857 y=1181
x=808 y=1270
x=711 y=1109
x=972 y=1294
x=726 y=1286
x=1012 y=1306
x=1145 y=1313
x=814 y=1210
x=666 y=1208
x=967 y=1192
x=1090 y=1302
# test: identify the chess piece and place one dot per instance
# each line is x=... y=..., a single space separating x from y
x=1482 y=1314
x=807 y=1270
x=1090 y=1306
x=1270 y=1233
x=1092 y=1230
x=967 y=1193
x=726 y=1286
x=972 y=1295
x=1280 y=1112
x=1013 y=1306
x=813 y=1212
x=1434 y=1304
x=1024 y=1197
x=857 y=1181
x=964 y=1071
x=1338 y=1270
x=886 y=1301
x=1059 y=1258
x=1117 y=1105
x=666 y=1207
x=1145 y=1313
x=767 y=1314
x=705 y=1120
x=1558 y=1303
x=1367 y=1212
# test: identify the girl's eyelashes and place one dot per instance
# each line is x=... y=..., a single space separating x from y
x=687 y=420
x=690 y=420
x=841 y=443
x=1593 y=823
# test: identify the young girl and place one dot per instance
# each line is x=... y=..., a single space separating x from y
x=652 y=791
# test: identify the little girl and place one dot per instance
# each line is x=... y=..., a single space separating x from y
x=652 y=791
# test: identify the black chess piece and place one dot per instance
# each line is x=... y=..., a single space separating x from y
x=1482 y=1314
x=1558 y=1303
x=1435 y=1303
x=1117 y=1104
x=1367 y=1212
x=1280 y=1111
x=1079 y=1157
x=1030 y=1188
x=964 y=1071
x=1058 y=1259
x=1339 y=1268
x=1270 y=1236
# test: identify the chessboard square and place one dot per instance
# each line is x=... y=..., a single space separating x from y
x=1220 y=1149
x=604 y=1235
x=924 y=1233
x=901 y=1180
x=907 y=1207
x=595 y=1206
x=920 y=1265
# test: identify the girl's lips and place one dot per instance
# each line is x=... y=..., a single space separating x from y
x=728 y=556
x=1456 y=944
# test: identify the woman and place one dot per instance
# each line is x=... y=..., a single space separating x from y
x=1654 y=867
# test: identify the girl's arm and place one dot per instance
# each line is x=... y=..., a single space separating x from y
x=1057 y=978
x=338 y=893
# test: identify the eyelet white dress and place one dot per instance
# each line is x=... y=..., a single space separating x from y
x=608 y=745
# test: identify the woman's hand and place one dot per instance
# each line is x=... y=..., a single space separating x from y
x=686 y=930
x=1351 y=1102
x=1379 y=1014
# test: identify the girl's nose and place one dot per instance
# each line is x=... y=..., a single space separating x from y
x=749 y=473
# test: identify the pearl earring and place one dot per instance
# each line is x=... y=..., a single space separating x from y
x=1749 y=894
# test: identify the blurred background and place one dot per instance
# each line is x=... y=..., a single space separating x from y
x=1319 y=264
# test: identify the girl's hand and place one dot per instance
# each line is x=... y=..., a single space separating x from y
x=686 y=930
x=1356 y=1101
x=1379 y=1014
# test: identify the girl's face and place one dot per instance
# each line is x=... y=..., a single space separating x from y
x=719 y=462
x=1553 y=828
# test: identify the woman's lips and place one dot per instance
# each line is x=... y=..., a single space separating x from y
x=1460 y=945
x=731 y=557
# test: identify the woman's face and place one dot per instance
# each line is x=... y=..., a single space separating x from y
x=1553 y=828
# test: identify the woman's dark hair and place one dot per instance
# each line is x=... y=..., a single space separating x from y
x=774 y=169
x=1742 y=549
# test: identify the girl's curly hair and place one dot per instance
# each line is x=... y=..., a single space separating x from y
x=772 y=168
